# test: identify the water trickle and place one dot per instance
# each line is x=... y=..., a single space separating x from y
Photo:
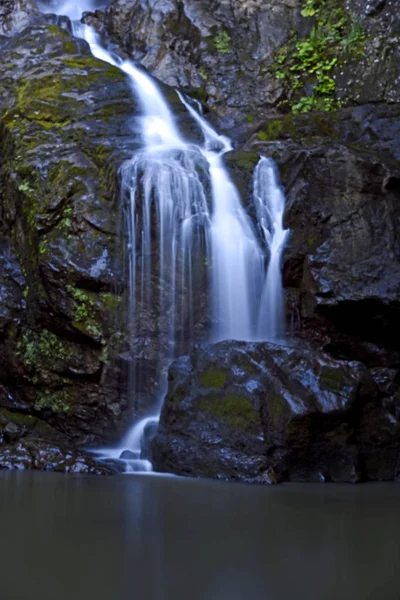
x=189 y=232
x=269 y=202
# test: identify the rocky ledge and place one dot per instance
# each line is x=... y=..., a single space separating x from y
x=266 y=413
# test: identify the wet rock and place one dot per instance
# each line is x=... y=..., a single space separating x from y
x=43 y=456
x=148 y=436
x=128 y=455
x=64 y=135
x=227 y=52
x=16 y=15
x=200 y=46
x=268 y=413
x=342 y=263
x=27 y=442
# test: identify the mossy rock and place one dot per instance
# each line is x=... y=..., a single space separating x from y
x=213 y=378
x=236 y=410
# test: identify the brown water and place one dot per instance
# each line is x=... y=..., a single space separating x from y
x=160 y=538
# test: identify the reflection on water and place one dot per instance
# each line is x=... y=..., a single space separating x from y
x=156 y=538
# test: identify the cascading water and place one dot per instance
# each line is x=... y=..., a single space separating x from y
x=70 y=8
x=237 y=258
x=269 y=201
x=165 y=188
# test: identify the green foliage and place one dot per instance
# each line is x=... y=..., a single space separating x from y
x=84 y=304
x=41 y=347
x=222 y=42
x=85 y=312
x=310 y=61
x=310 y=9
x=56 y=401
x=354 y=42
x=26 y=188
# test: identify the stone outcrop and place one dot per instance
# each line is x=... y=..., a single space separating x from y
x=228 y=52
x=267 y=413
x=341 y=174
x=16 y=15
x=63 y=138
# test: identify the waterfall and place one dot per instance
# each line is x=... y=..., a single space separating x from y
x=269 y=202
x=72 y=8
x=237 y=258
x=205 y=239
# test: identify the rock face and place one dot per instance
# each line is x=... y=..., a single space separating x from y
x=15 y=15
x=342 y=264
x=26 y=443
x=63 y=138
x=229 y=51
x=268 y=413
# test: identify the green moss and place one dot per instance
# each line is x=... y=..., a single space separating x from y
x=236 y=410
x=38 y=347
x=277 y=408
x=46 y=100
x=26 y=188
x=213 y=378
x=331 y=379
x=274 y=128
x=58 y=31
x=203 y=73
x=70 y=47
x=222 y=42
x=262 y=136
x=244 y=160
x=94 y=330
x=53 y=29
x=85 y=317
x=56 y=401
x=20 y=419
x=84 y=302
x=105 y=354
x=111 y=302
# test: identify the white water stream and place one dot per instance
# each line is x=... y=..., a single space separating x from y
x=166 y=185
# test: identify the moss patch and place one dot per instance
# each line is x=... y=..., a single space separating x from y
x=277 y=408
x=27 y=421
x=222 y=42
x=213 y=378
x=37 y=348
x=331 y=379
x=236 y=410
x=56 y=401
x=85 y=312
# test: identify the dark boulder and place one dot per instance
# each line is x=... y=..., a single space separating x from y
x=341 y=267
x=268 y=413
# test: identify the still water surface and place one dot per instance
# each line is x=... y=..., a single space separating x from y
x=161 y=538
